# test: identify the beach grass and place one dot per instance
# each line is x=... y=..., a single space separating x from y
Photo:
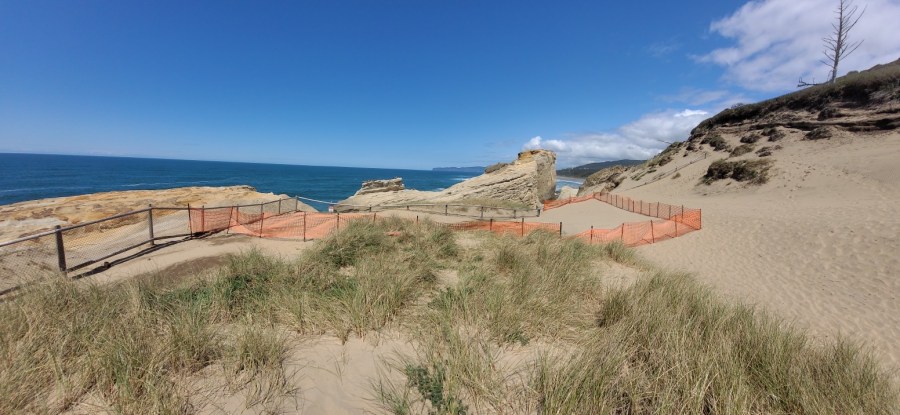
x=527 y=325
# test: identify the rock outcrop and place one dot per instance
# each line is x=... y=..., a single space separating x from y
x=526 y=182
x=378 y=186
x=29 y=217
x=566 y=192
x=603 y=180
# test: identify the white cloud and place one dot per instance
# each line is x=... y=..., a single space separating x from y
x=640 y=139
x=778 y=41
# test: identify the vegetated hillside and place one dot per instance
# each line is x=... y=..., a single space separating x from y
x=743 y=144
x=585 y=170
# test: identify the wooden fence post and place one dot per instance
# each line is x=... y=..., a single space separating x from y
x=190 y=221
x=491 y=225
x=523 y=227
x=230 y=215
x=338 y=221
x=304 y=226
x=203 y=218
x=262 y=216
x=60 y=250
x=652 y=235
x=560 y=229
x=150 y=222
x=592 y=233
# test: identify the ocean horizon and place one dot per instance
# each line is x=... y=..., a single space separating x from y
x=37 y=176
x=26 y=177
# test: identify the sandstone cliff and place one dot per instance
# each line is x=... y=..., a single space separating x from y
x=29 y=217
x=526 y=182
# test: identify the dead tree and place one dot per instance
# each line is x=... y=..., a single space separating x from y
x=838 y=45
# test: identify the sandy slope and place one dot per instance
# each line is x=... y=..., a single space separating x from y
x=819 y=244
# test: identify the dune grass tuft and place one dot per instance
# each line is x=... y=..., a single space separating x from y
x=524 y=325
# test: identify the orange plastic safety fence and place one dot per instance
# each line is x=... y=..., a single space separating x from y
x=520 y=228
x=678 y=220
x=267 y=220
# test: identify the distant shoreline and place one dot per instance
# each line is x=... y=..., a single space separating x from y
x=567 y=179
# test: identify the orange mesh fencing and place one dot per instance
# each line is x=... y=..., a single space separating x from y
x=268 y=220
x=678 y=220
x=520 y=228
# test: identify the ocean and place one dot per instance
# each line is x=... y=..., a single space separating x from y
x=37 y=176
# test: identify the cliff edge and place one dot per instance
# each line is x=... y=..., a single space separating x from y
x=525 y=182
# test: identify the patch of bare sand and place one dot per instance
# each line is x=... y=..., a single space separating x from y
x=579 y=217
x=324 y=376
x=818 y=244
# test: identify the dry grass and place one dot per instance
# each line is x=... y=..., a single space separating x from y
x=530 y=326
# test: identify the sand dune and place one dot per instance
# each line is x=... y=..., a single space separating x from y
x=819 y=244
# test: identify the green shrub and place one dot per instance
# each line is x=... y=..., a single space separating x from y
x=751 y=171
x=741 y=150
x=819 y=133
x=716 y=142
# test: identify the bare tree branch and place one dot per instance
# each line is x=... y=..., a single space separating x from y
x=838 y=46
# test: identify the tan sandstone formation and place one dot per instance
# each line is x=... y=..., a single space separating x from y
x=603 y=180
x=377 y=186
x=526 y=182
x=33 y=216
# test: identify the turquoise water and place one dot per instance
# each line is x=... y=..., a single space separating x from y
x=36 y=176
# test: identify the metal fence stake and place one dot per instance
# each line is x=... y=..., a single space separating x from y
x=523 y=227
x=60 y=250
x=592 y=234
x=560 y=229
x=150 y=223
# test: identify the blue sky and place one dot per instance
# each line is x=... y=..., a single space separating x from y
x=408 y=84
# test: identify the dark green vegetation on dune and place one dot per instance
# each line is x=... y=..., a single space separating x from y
x=585 y=170
x=872 y=87
x=532 y=324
